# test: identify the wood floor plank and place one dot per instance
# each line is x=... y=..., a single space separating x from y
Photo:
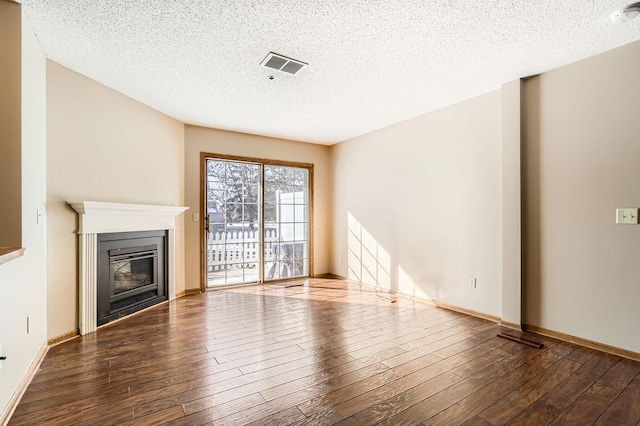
x=327 y=375
x=473 y=404
x=403 y=396
x=477 y=421
x=376 y=381
x=306 y=394
x=418 y=372
x=515 y=402
x=547 y=408
x=221 y=410
x=286 y=417
x=591 y=405
x=325 y=417
x=625 y=409
x=433 y=405
x=319 y=352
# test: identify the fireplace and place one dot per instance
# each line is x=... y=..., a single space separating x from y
x=97 y=219
x=131 y=273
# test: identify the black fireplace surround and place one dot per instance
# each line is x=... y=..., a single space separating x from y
x=132 y=272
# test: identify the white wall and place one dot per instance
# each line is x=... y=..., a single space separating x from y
x=102 y=146
x=201 y=139
x=417 y=205
x=582 y=161
x=23 y=281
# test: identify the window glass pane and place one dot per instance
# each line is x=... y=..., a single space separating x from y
x=233 y=172
x=270 y=213
x=216 y=217
x=285 y=194
x=216 y=277
x=215 y=255
x=233 y=251
x=216 y=199
x=251 y=174
x=287 y=232
x=250 y=215
x=270 y=252
x=234 y=275
x=300 y=250
x=270 y=196
x=271 y=270
x=301 y=195
x=285 y=212
x=251 y=252
x=300 y=177
x=253 y=235
x=233 y=195
x=233 y=213
x=250 y=193
x=287 y=269
x=270 y=233
x=251 y=272
x=216 y=171
x=300 y=232
x=300 y=213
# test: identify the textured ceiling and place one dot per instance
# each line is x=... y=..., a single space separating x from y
x=371 y=63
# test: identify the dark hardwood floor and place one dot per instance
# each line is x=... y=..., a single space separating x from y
x=322 y=352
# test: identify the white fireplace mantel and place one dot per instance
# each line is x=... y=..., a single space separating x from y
x=97 y=217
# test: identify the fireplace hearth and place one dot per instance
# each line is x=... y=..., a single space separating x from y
x=131 y=273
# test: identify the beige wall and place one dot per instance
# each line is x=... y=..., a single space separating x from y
x=102 y=146
x=200 y=139
x=511 y=204
x=23 y=281
x=582 y=160
x=417 y=205
x=10 y=107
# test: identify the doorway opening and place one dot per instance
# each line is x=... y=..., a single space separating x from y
x=257 y=220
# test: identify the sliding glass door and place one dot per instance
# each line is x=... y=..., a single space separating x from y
x=286 y=222
x=257 y=219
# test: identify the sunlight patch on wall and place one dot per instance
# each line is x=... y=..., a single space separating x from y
x=368 y=261
x=406 y=285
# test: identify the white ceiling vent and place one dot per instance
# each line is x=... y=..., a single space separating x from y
x=282 y=63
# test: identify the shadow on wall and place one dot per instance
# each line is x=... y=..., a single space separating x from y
x=369 y=263
x=531 y=214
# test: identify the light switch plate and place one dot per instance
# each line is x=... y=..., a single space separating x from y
x=627 y=216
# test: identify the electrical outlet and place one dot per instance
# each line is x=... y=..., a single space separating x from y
x=627 y=216
x=196 y=217
x=472 y=283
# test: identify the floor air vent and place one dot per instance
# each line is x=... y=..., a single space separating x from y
x=283 y=64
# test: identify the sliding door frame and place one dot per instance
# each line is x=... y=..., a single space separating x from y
x=204 y=156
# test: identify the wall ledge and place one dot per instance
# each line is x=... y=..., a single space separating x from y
x=8 y=254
